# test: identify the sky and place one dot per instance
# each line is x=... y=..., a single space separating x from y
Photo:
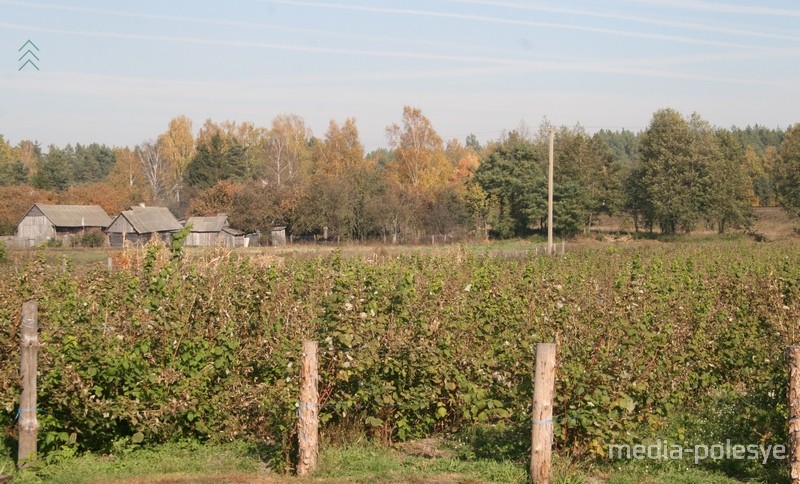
x=116 y=72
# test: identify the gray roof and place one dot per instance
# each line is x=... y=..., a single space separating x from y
x=147 y=220
x=75 y=215
x=233 y=232
x=208 y=224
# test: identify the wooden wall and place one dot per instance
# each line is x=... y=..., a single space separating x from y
x=202 y=239
x=34 y=229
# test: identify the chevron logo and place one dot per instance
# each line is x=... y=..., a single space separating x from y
x=28 y=56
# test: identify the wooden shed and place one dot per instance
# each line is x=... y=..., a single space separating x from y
x=45 y=222
x=139 y=224
x=278 y=236
x=213 y=232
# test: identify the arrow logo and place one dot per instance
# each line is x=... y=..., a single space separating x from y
x=28 y=53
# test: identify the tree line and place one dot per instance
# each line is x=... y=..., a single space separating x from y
x=677 y=175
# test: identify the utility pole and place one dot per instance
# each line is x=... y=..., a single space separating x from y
x=550 y=247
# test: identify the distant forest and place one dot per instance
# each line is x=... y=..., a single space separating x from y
x=677 y=175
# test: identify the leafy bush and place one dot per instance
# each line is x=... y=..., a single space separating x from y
x=681 y=342
x=89 y=238
x=55 y=242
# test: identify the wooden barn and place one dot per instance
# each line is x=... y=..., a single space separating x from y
x=139 y=224
x=45 y=222
x=214 y=232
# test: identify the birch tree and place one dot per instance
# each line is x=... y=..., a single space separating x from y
x=155 y=168
x=284 y=151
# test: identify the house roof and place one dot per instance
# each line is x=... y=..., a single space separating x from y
x=75 y=215
x=208 y=224
x=233 y=232
x=146 y=220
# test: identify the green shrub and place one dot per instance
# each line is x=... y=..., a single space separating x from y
x=89 y=238
x=679 y=341
x=55 y=242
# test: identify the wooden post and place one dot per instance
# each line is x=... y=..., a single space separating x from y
x=110 y=264
x=542 y=424
x=794 y=413
x=29 y=350
x=308 y=423
x=550 y=246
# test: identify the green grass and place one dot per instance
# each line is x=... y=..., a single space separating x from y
x=632 y=474
x=182 y=461
x=371 y=462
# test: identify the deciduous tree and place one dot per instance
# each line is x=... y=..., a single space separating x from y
x=15 y=201
x=107 y=196
x=675 y=177
x=155 y=168
x=729 y=203
x=178 y=148
x=215 y=199
x=788 y=170
x=419 y=161
x=284 y=152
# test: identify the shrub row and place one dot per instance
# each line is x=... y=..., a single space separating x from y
x=662 y=341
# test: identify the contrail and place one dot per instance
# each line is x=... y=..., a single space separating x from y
x=632 y=18
x=499 y=20
x=720 y=7
x=274 y=46
x=235 y=23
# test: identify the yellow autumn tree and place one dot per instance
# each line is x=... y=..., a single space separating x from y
x=419 y=162
x=127 y=177
x=177 y=148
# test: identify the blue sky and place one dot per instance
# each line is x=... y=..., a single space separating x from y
x=116 y=72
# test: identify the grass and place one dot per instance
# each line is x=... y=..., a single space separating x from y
x=177 y=462
x=371 y=462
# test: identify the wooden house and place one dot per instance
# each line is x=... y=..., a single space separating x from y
x=213 y=232
x=139 y=224
x=45 y=222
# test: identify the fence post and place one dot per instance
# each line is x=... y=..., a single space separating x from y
x=29 y=350
x=542 y=422
x=308 y=423
x=794 y=413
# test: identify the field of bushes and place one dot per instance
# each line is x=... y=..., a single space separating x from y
x=674 y=341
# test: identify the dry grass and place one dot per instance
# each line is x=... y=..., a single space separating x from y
x=775 y=223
